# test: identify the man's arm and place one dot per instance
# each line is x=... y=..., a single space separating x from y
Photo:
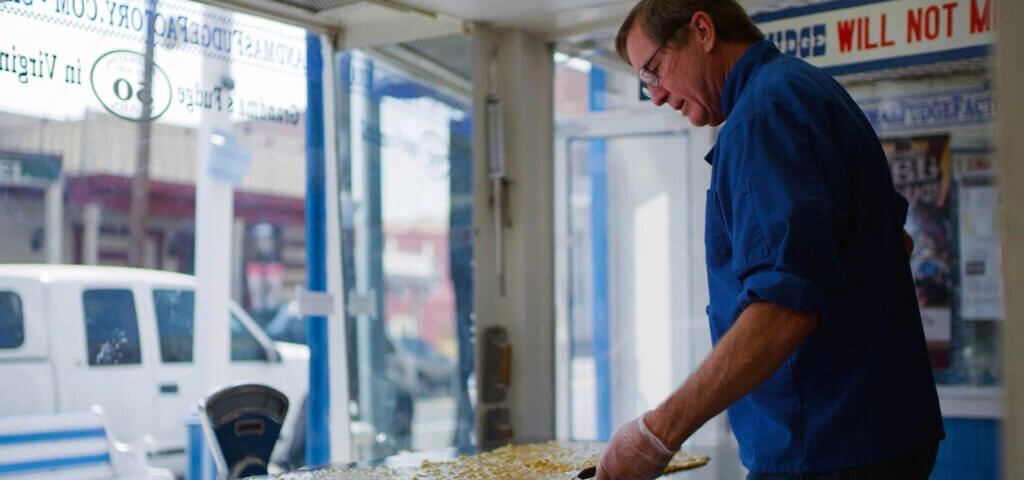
x=760 y=340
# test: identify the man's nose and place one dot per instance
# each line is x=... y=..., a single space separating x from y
x=658 y=95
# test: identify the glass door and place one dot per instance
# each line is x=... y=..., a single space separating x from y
x=632 y=285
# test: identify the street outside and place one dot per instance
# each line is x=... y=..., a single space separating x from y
x=433 y=423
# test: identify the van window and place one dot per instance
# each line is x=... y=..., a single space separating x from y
x=244 y=346
x=111 y=327
x=175 y=310
x=12 y=323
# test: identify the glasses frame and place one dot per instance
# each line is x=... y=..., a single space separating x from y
x=647 y=77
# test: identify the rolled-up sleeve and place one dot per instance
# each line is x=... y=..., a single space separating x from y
x=781 y=213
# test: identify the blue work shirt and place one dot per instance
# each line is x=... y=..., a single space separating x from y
x=802 y=213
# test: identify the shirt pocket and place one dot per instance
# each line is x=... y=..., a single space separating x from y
x=751 y=248
x=716 y=240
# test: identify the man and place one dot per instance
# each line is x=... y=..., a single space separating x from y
x=819 y=354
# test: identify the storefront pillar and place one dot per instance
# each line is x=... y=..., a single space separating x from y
x=92 y=216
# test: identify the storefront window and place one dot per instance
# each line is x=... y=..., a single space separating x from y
x=128 y=130
x=938 y=135
x=91 y=111
x=406 y=196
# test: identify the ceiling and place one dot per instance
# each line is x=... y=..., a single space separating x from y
x=364 y=23
x=429 y=38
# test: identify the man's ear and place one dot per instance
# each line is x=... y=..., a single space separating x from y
x=704 y=30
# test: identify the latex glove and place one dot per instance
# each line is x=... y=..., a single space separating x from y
x=634 y=453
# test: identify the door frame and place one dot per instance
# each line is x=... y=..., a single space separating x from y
x=595 y=126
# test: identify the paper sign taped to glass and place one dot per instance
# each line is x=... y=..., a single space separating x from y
x=921 y=172
x=229 y=161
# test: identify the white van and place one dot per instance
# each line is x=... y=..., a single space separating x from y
x=75 y=336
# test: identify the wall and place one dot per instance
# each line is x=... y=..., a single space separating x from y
x=21 y=213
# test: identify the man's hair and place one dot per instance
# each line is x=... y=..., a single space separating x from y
x=666 y=22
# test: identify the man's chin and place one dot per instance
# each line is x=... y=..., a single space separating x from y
x=706 y=120
x=697 y=120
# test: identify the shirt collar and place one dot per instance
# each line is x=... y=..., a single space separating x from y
x=710 y=157
x=755 y=56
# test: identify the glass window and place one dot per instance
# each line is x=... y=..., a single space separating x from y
x=160 y=136
x=111 y=327
x=175 y=310
x=943 y=163
x=407 y=224
x=12 y=323
x=244 y=346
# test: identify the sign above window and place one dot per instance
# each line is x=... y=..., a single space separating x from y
x=28 y=169
x=855 y=36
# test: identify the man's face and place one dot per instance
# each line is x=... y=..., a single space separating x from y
x=685 y=78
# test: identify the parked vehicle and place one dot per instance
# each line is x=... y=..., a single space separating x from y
x=122 y=338
x=287 y=325
x=434 y=372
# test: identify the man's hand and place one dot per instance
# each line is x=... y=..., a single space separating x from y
x=760 y=340
x=634 y=453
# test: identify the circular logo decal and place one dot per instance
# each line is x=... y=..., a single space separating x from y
x=118 y=82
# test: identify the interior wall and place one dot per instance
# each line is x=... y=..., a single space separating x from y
x=1011 y=175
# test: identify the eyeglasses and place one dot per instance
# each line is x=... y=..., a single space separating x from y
x=647 y=77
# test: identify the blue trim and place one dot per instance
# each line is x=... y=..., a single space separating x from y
x=601 y=342
x=972 y=449
x=54 y=464
x=597 y=159
x=811 y=10
x=598 y=82
x=910 y=60
x=52 y=436
x=318 y=440
x=389 y=83
x=200 y=466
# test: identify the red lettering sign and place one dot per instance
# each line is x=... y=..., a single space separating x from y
x=845 y=29
x=925 y=23
x=886 y=43
x=948 y=7
x=914 y=25
x=931 y=23
x=867 y=35
x=981 y=19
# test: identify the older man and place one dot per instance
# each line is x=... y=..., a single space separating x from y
x=819 y=354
